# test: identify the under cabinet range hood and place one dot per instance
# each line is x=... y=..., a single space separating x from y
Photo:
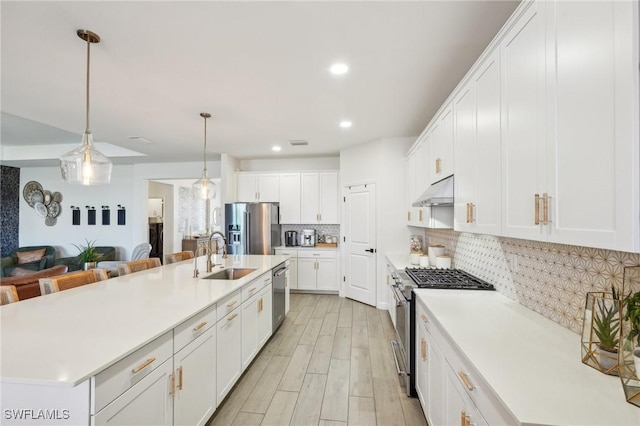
x=438 y=194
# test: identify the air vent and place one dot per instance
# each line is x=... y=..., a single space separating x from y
x=139 y=139
x=298 y=142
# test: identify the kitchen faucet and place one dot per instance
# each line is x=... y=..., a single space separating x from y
x=210 y=264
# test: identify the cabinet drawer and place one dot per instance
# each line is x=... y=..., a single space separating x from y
x=317 y=254
x=186 y=332
x=115 y=380
x=291 y=253
x=256 y=285
x=228 y=304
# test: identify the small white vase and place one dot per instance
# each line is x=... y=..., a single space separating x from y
x=607 y=360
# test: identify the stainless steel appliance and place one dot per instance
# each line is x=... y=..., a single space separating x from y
x=290 y=238
x=252 y=228
x=308 y=238
x=404 y=282
x=278 y=284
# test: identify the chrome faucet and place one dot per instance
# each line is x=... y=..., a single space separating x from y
x=210 y=252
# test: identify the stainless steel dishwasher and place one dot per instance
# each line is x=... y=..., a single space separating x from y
x=278 y=284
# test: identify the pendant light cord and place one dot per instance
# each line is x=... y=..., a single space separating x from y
x=88 y=130
x=204 y=155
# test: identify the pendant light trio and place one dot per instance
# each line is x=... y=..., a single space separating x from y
x=86 y=165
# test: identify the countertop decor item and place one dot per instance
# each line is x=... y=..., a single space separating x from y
x=601 y=331
x=86 y=165
x=629 y=359
x=415 y=244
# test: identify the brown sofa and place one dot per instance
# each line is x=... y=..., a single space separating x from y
x=28 y=286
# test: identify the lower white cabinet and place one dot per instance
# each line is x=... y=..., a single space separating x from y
x=148 y=402
x=317 y=270
x=459 y=408
x=228 y=352
x=265 y=316
x=256 y=324
x=195 y=380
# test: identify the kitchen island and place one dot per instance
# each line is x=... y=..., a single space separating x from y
x=54 y=346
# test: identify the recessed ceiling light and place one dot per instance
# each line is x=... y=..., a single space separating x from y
x=345 y=124
x=298 y=142
x=276 y=148
x=339 y=69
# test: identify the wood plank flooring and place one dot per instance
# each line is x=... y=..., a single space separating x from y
x=330 y=363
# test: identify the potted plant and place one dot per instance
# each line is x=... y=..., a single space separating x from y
x=632 y=314
x=88 y=255
x=606 y=324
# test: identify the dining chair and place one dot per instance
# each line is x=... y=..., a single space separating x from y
x=8 y=294
x=178 y=257
x=138 y=265
x=72 y=280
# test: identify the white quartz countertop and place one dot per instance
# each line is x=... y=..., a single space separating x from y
x=399 y=261
x=306 y=248
x=533 y=364
x=64 y=338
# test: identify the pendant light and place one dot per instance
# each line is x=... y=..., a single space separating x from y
x=204 y=188
x=86 y=165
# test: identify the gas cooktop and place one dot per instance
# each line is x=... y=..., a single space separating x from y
x=446 y=279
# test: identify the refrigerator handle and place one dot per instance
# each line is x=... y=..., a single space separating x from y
x=247 y=232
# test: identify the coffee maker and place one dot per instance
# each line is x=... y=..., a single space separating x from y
x=308 y=238
x=290 y=238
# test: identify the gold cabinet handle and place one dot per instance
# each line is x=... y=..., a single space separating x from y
x=424 y=317
x=465 y=379
x=172 y=385
x=545 y=208
x=468 y=216
x=438 y=165
x=199 y=326
x=251 y=290
x=462 y=418
x=408 y=216
x=231 y=317
x=423 y=349
x=230 y=304
x=536 y=209
x=143 y=365
x=420 y=215
x=180 y=378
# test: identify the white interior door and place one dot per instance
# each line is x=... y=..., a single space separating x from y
x=360 y=243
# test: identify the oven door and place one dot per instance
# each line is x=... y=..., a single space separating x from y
x=401 y=344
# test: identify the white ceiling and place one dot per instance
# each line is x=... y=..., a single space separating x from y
x=260 y=68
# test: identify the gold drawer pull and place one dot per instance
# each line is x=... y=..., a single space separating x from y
x=409 y=216
x=424 y=317
x=199 y=326
x=536 y=209
x=252 y=290
x=463 y=418
x=230 y=304
x=420 y=215
x=423 y=349
x=231 y=317
x=142 y=366
x=179 y=378
x=465 y=380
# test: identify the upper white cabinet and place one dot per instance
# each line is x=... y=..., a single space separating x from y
x=290 y=198
x=477 y=150
x=319 y=197
x=441 y=161
x=258 y=187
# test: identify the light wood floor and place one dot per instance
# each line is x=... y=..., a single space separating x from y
x=330 y=363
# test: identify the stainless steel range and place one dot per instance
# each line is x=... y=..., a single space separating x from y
x=404 y=284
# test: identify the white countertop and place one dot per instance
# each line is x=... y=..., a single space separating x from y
x=400 y=261
x=64 y=338
x=306 y=248
x=533 y=364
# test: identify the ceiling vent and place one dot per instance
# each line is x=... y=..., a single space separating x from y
x=298 y=142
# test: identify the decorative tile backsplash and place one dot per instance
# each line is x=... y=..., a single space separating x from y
x=333 y=230
x=551 y=279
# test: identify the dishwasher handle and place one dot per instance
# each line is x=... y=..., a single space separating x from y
x=281 y=271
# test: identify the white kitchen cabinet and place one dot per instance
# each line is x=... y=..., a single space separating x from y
x=391 y=300
x=319 y=197
x=477 y=108
x=258 y=187
x=317 y=270
x=458 y=407
x=292 y=278
x=256 y=324
x=430 y=372
x=290 y=198
x=195 y=380
x=523 y=122
x=148 y=402
x=441 y=160
x=287 y=286
x=265 y=316
x=228 y=352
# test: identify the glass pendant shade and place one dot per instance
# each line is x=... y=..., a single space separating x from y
x=204 y=188
x=86 y=165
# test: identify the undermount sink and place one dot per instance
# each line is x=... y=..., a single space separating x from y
x=230 y=274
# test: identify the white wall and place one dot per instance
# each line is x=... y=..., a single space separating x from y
x=129 y=187
x=285 y=164
x=382 y=162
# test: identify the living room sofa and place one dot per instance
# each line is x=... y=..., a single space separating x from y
x=27 y=282
x=31 y=258
x=74 y=264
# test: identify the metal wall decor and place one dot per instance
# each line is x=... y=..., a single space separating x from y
x=75 y=215
x=106 y=215
x=91 y=215
x=44 y=202
x=121 y=215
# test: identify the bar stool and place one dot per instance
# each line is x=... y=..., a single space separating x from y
x=71 y=280
x=138 y=265
x=178 y=257
x=8 y=294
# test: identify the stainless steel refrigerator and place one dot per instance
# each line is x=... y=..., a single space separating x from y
x=252 y=228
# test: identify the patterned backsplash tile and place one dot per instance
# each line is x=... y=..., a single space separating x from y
x=551 y=279
x=332 y=229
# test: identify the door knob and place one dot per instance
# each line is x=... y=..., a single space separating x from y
x=371 y=250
